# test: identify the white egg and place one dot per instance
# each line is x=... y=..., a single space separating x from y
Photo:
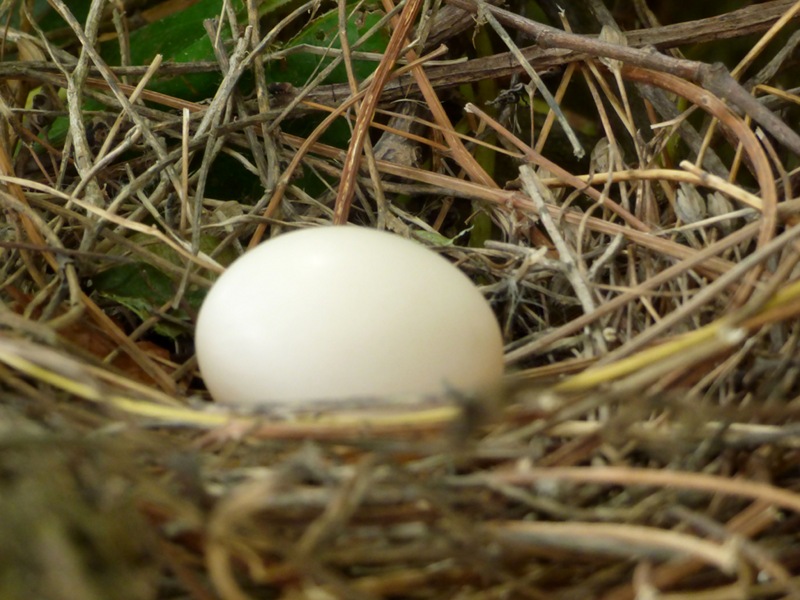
x=340 y=313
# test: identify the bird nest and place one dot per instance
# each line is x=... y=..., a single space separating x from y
x=629 y=213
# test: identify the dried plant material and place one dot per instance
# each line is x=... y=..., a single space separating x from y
x=601 y=159
x=612 y=35
x=557 y=193
x=720 y=206
x=484 y=13
x=644 y=441
x=690 y=206
x=70 y=522
x=395 y=145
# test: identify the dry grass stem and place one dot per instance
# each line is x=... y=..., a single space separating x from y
x=645 y=441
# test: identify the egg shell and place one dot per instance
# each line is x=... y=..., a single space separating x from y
x=340 y=313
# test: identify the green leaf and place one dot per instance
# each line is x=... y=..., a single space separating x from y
x=481 y=229
x=144 y=289
x=437 y=239
x=49 y=20
x=179 y=37
x=182 y=38
x=323 y=32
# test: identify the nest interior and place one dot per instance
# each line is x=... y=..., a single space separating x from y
x=619 y=179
